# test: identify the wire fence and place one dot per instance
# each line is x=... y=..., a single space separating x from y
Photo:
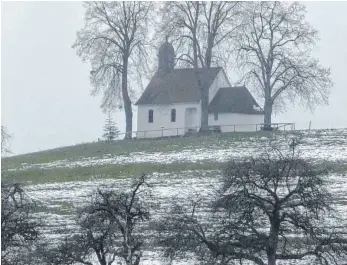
x=191 y=130
x=320 y=124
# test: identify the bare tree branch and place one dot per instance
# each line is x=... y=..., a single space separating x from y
x=5 y=139
x=201 y=32
x=271 y=208
x=113 y=41
x=273 y=52
x=109 y=228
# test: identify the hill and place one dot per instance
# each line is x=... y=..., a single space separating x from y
x=131 y=157
x=179 y=169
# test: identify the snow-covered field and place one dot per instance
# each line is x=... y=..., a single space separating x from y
x=60 y=199
x=320 y=145
x=165 y=188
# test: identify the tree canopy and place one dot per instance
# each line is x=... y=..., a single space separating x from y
x=274 y=51
x=114 y=40
x=271 y=208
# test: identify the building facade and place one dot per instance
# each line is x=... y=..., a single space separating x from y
x=171 y=102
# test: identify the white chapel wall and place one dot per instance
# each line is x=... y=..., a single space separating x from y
x=243 y=122
x=162 y=125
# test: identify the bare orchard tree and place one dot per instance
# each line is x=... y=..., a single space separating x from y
x=109 y=229
x=5 y=138
x=201 y=31
x=274 y=53
x=19 y=230
x=271 y=208
x=113 y=41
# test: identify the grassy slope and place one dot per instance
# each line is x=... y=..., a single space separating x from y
x=123 y=147
x=39 y=176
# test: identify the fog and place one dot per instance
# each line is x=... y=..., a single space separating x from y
x=45 y=89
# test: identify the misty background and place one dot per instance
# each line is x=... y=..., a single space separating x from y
x=45 y=89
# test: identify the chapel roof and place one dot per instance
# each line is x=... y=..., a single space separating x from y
x=235 y=100
x=178 y=86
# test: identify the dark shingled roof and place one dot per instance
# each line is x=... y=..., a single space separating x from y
x=234 y=99
x=179 y=85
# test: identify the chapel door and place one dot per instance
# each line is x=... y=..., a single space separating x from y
x=191 y=119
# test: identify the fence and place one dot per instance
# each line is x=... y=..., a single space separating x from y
x=171 y=132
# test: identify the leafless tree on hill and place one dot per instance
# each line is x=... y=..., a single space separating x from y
x=19 y=230
x=271 y=208
x=274 y=49
x=114 y=41
x=108 y=228
x=5 y=138
x=201 y=32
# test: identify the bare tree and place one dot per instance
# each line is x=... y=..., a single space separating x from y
x=113 y=41
x=5 y=138
x=201 y=32
x=274 y=53
x=268 y=209
x=108 y=228
x=19 y=229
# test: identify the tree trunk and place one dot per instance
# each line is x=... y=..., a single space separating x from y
x=208 y=54
x=126 y=100
x=205 y=90
x=204 y=103
x=204 y=111
x=271 y=248
x=195 y=51
x=202 y=89
x=267 y=115
x=101 y=258
x=271 y=260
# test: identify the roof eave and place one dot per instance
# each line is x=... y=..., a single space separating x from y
x=236 y=112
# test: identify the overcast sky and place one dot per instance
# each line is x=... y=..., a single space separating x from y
x=45 y=89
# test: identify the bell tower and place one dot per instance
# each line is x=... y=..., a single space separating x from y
x=166 y=57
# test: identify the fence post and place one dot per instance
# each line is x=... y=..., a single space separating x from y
x=309 y=126
x=256 y=127
x=234 y=128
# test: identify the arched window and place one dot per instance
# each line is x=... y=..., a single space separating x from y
x=173 y=115
x=216 y=116
x=150 y=116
